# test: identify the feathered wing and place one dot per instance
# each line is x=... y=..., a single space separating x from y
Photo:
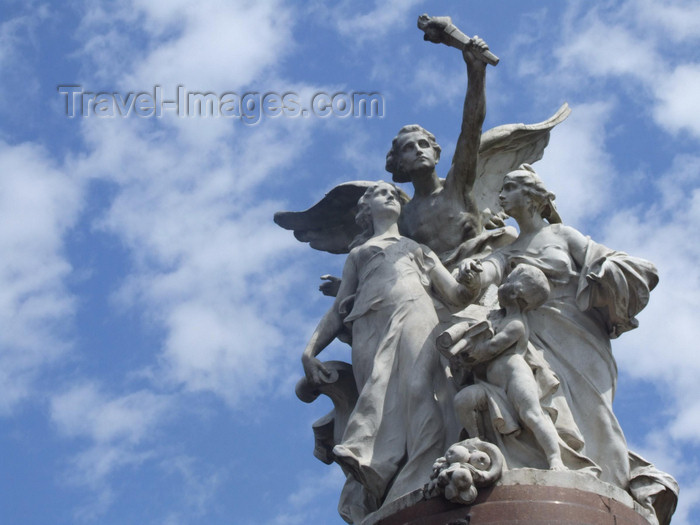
x=504 y=148
x=329 y=225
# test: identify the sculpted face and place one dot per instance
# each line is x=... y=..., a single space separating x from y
x=415 y=153
x=384 y=200
x=509 y=293
x=512 y=196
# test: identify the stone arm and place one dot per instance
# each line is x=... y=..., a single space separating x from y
x=448 y=288
x=510 y=334
x=481 y=273
x=576 y=242
x=329 y=327
x=462 y=175
x=578 y=246
x=614 y=283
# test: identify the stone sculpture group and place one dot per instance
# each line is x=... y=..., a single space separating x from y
x=475 y=347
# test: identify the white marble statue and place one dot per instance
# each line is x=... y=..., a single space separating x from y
x=447 y=215
x=397 y=427
x=595 y=294
x=414 y=155
x=513 y=378
x=532 y=377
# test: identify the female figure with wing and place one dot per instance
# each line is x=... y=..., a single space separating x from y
x=398 y=425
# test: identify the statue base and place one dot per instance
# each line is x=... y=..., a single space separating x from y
x=523 y=496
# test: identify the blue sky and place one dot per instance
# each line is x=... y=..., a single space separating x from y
x=152 y=316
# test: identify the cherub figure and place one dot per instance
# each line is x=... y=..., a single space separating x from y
x=506 y=367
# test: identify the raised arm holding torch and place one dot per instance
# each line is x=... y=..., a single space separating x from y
x=441 y=30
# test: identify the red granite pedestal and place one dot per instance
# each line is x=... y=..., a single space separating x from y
x=515 y=503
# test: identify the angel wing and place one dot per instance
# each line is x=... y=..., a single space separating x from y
x=329 y=225
x=504 y=148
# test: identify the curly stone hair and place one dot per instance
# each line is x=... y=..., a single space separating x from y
x=392 y=165
x=542 y=199
x=534 y=286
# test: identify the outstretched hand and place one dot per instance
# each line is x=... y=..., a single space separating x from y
x=330 y=286
x=468 y=275
x=492 y=220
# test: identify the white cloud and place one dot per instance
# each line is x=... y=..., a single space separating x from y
x=18 y=38
x=84 y=411
x=576 y=165
x=200 y=488
x=310 y=497
x=208 y=46
x=186 y=205
x=607 y=49
x=191 y=208
x=217 y=44
x=663 y=349
x=678 y=105
x=11 y=33
x=637 y=50
x=435 y=85
x=201 y=238
x=119 y=430
x=636 y=44
x=671 y=20
x=686 y=512
x=39 y=203
x=682 y=464
x=214 y=350
x=686 y=426
x=373 y=24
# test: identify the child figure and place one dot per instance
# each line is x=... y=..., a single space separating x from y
x=503 y=356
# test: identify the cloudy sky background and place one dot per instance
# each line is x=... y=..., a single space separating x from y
x=152 y=316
